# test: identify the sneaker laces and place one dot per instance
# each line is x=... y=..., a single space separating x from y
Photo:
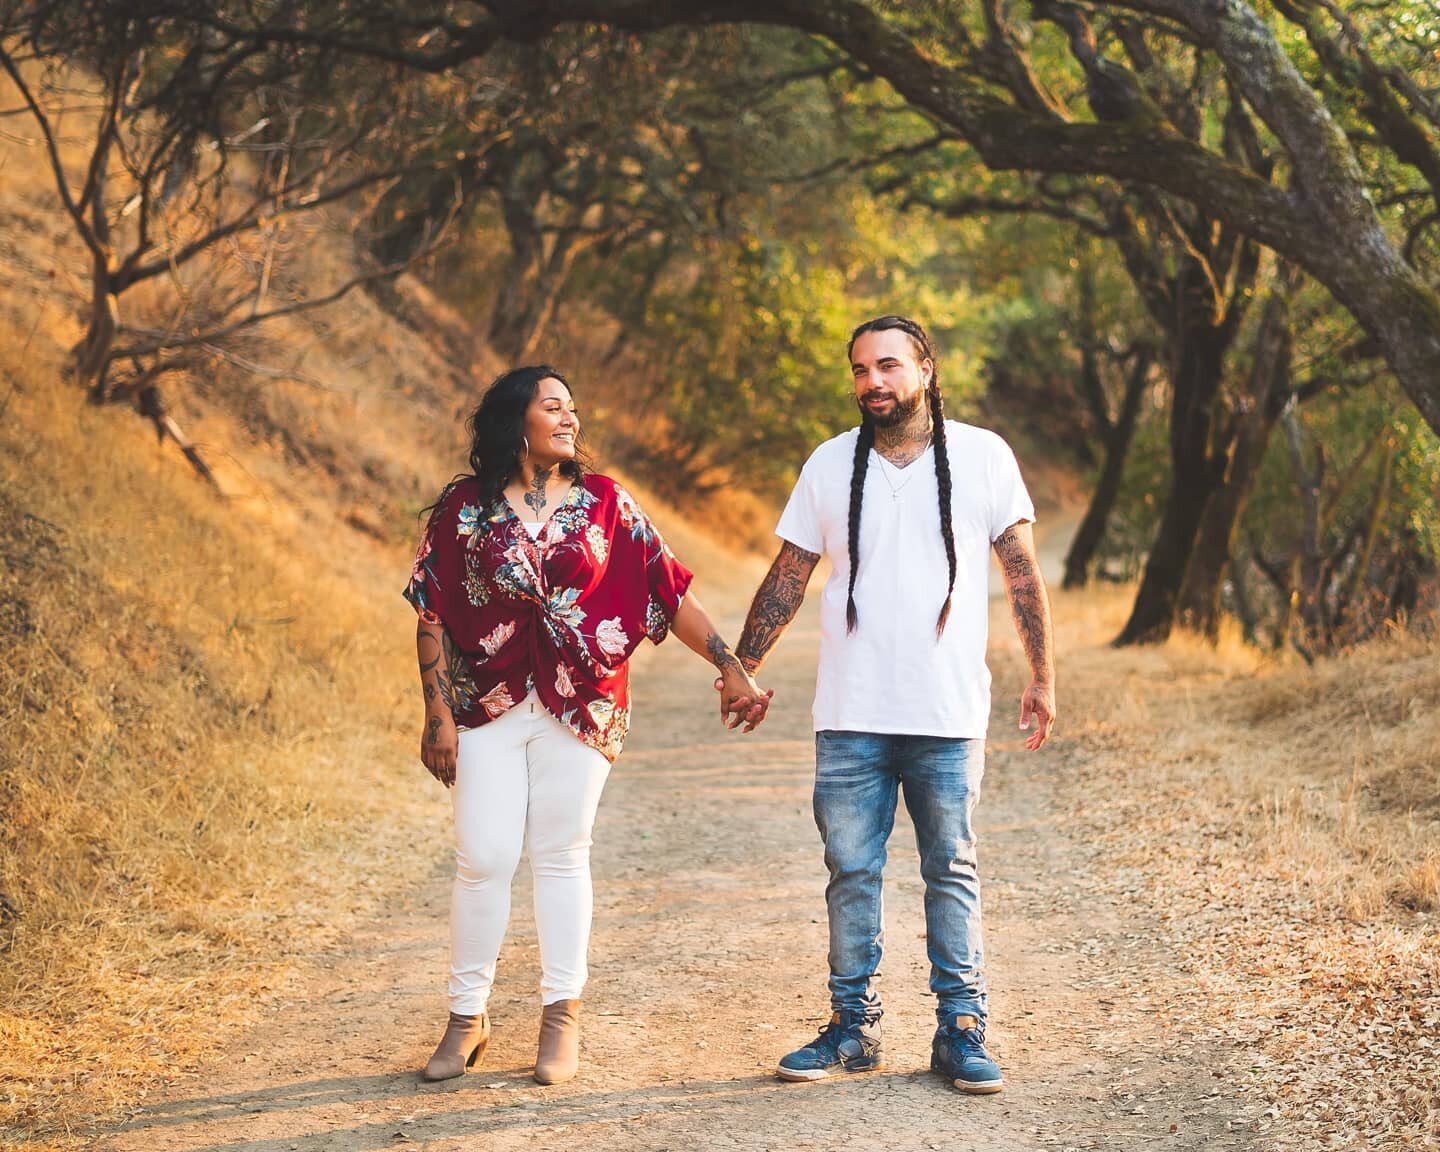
x=832 y=1032
x=971 y=1041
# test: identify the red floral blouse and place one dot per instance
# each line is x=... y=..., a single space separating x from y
x=560 y=613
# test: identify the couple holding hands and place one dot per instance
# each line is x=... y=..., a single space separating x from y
x=536 y=579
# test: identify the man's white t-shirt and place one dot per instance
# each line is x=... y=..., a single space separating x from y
x=891 y=674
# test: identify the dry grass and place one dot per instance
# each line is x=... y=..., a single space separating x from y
x=205 y=724
x=206 y=712
x=179 y=699
x=1283 y=824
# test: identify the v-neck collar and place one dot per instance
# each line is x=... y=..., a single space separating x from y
x=507 y=511
x=929 y=451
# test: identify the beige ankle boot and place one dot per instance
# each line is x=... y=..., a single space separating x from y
x=462 y=1045
x=559 y=1056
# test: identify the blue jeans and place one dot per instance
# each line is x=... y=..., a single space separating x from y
x=858 y=776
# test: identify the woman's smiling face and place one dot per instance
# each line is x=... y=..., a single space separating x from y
x=551 y=424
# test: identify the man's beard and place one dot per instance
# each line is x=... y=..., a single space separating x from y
x=903 y=410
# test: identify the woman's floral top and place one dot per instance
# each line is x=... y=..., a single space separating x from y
x=560 y=613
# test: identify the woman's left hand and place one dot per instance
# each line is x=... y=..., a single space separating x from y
x=742 y=701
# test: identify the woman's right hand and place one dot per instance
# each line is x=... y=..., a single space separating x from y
x=742 y=701
x=439 y=746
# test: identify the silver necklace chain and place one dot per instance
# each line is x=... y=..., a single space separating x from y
x=885 y=466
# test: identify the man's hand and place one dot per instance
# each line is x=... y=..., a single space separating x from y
x=742 y=701
x=439 y=746
x=1037 y=702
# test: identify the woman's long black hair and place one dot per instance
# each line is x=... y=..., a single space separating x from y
x=497 y=434
x=866 y=440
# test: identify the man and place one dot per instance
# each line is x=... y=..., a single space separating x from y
x=902 y=700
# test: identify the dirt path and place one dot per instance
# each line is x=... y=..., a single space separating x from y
x=708 y=964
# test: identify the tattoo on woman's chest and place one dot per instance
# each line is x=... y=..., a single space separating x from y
x=535 y=498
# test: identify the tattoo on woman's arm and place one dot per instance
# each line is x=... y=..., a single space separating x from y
x=454 y=668
x=432 y=730
x=535 y=498
x=775 y=604
x=720 y=654
x=434 y=679
x=422 y=643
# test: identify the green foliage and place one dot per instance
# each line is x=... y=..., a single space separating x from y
x=1136 y=516
x=1417 y=478
x=747 y=344
x=1359 y=441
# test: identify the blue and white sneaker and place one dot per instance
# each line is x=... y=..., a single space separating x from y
x=846 y=1044
x=958 y=1053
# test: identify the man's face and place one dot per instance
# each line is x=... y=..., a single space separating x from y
x=889 y=382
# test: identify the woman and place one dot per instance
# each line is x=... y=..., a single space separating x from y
x=534 y=583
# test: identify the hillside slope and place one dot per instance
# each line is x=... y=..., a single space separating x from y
x=207 y=713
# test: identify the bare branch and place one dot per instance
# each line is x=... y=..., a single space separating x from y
x=57 y=166
x=252 y=217
x=215 y=335
x=961 y=207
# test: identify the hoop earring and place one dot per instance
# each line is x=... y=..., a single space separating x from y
x=526 y=442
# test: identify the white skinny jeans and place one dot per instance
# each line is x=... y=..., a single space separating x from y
x=522 y=778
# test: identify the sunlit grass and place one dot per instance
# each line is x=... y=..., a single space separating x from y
x=197 y=722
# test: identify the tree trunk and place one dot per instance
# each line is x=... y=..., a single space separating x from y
x=536 y=274
x=1306 y=594
x=92 y=354
x=1353 y=604
x=1247 y=437
x=1244 y=600
x=512 y=324
x=1153 y=615
x=1116 y=450
x=1199 y=344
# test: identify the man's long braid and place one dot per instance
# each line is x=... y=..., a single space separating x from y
x=863 y=445
x=942 y=478
x=857 y=489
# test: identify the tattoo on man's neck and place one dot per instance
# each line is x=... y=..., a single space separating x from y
x=905 y=442
x=720 y=654
x=535 y=498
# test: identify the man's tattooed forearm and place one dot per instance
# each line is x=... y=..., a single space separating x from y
x=775 y=604
x=1029 y=604
x=535 y=498
x=1029 y=607
x=720 y=654
x=432 y=730
x=1015 y=559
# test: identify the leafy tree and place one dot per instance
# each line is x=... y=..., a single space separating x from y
x=207 y=143
x=976 y=74
x=1364 y=549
